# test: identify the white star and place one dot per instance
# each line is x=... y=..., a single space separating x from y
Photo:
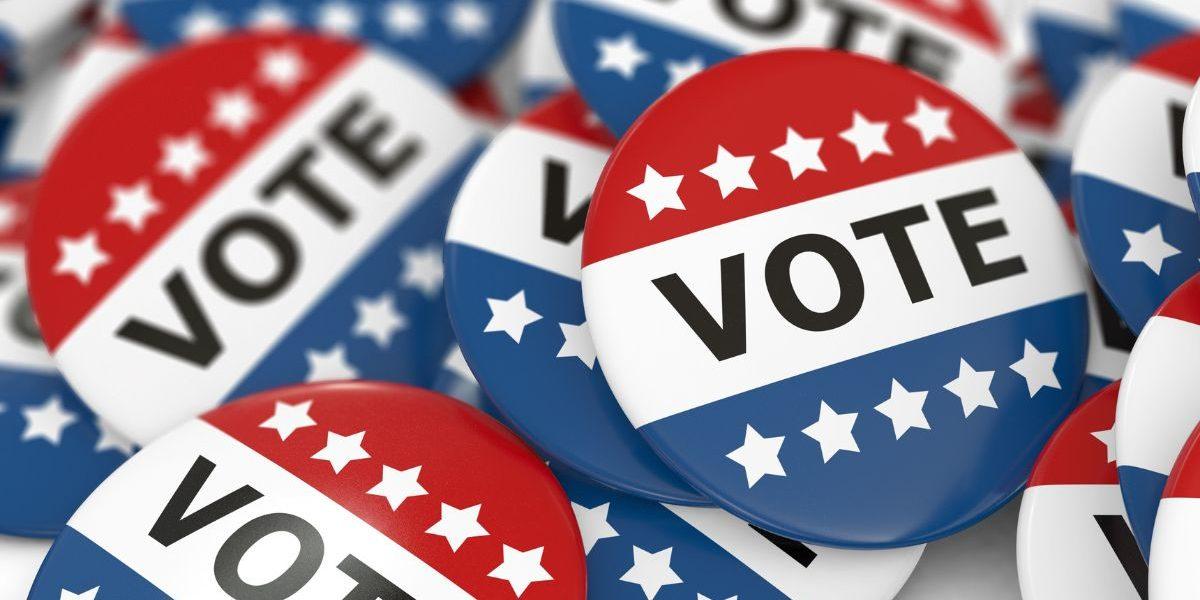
x=184 y=156
x=88 y=595
x=731 y=172
x=651 y=571
x=341 y=450
x=932 y=123
x=972 y=387
x=378 y=319
x=869 y=138
x=270 y=17
x=1148 y=248
x=1037 y=368
x=339 y=18
x=80 y=256
x=511 y=316
x=282 y=68
x=468 y=19
x=658 y=192
x=132 y=205
x=759 y=456
x=458 y=525
x=109 y=439
x=288 y=418
x=398 y=486
x=423 y=270
x=330 y=365
x=520 y=569
x=906 y=409
x=801 y=153
x=233 y=111
x=680 y=71
x=201 y=23
x=47 y=421
x=404 y=18
x=1109 y=440
x=621 y=55
x=833 y=432
x=577 y=342
x=593 y=525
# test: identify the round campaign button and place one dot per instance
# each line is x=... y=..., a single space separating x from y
x=807 y=302
x=1148 y=24
x=1073 y=540
x=53 y=451
x=453 y=40
x=278 y=221
x=977 y=563
x=19 y=562
x=1135 y=216
x=638 y=549
x=1157 y=407
x=624 y=54
x=513 y=287
x=1072 y=37
x=1173 y=562
x=335 y=490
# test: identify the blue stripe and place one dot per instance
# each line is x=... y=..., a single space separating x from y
x=1103 y=210
x=415 y=353
x=559 y=405
x=77 y=564
x=924 y=486
x=1143 y=30
x=1141 y=489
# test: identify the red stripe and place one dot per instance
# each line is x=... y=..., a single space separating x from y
x=466 y=459
x=1184 y=302
x=746 y=105
x=1176 y=60
x=117 y=142
x=567 y=114
x=1073 y=456
x=972 y=18
x=1185 y=475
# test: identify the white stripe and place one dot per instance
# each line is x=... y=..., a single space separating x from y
x=658 y=367
x=1173 y=572
x=19 y=562
x=977 y=72
x=1061 y=551
x=541 y=62
x=1156 y=407
x=1183 y=12
x=92 y=357
x=1126 y=138
x=122 y=511
x=17 y=352
x=846 y=574
x=1091 y=14
x=1191 y=134
x=500 y=206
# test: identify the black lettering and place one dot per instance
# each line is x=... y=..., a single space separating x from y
x=967 y=237
x=217 y=266
x=783 y=292
x=288 y=583
x=295 y=174
x=173 y=526
x=557 y=225
x=370 y=585
x=849 y=21
x=1124 y=545
x=1177 y=114
x=723 y=340
x=894 y=229
x=1113 y=329
x=924 y=55
x=793 y=548
x=199 y=349
x=364 y=147
x=785 y=13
